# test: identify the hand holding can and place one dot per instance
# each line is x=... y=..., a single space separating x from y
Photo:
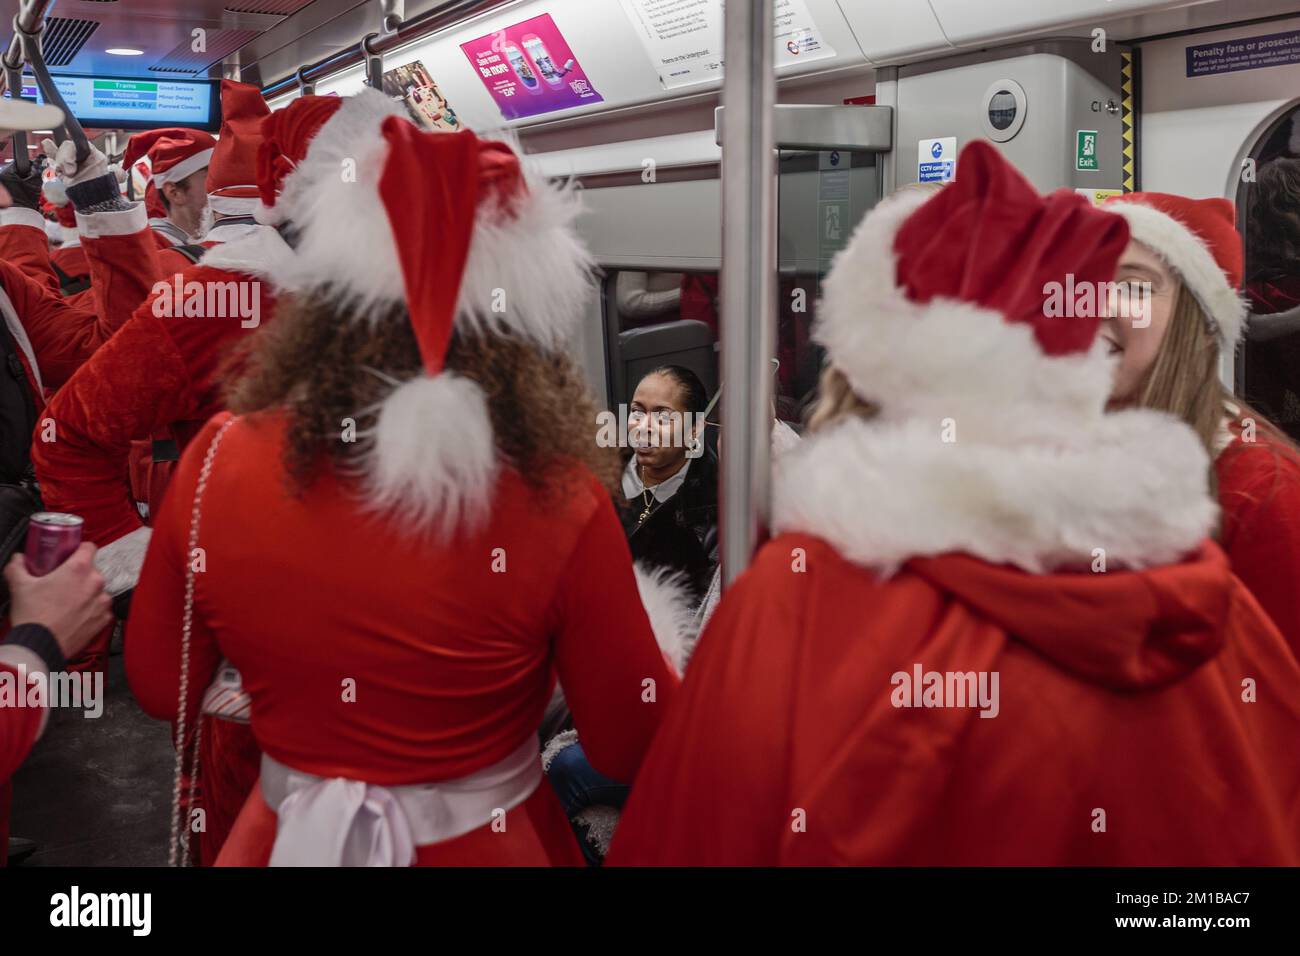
x=51 y=537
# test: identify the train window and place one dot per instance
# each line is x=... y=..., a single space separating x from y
x=658 y=318
x=1005 y=107
x=1269 y=209
x=1002 y=109
x=822 y=196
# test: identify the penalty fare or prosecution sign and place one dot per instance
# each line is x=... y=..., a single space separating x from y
x=1245 y=53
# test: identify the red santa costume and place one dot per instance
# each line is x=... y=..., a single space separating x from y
x=20 y=726
x=157 y=382
x=1257 y=467
x=119 y=259
x=377 y=579
x=164 y=156
x=69 y=260
x=991 y=629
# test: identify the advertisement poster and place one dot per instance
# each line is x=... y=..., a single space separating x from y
x=684 y=37
x=414 y=86
x=529 y=69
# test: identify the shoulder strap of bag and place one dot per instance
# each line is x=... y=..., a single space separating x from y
x=179 y=857
x=69 y=284
x=191 y=250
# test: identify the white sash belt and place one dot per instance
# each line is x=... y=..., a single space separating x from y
x=333 y=821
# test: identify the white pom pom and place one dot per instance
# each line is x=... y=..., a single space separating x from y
x=268 y=215
x=433 y=460
x=55 y=192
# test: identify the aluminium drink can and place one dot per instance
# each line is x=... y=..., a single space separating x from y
x=52 y=536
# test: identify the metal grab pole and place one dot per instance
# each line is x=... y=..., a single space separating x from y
x=71 y=128
x=748 y=284
x=30 y=17
x=14 y=81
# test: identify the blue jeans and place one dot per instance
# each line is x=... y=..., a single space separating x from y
x=579 y=785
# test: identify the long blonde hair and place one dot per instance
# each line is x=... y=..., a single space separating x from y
x=1184 y=381
x=1184 y=378
x=836 y=400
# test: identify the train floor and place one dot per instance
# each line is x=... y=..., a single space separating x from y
x=97 y=792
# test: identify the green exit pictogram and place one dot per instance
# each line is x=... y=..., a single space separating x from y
x=1085 y=155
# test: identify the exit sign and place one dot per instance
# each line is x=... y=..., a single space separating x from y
x=1085 y=151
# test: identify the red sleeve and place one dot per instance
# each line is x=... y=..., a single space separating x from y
x=135 y=384
x=606 y=651
x=1259 y=490
x=19 y=728
x=123 y=272
x=62 y=336
x=153 y=641
x=28 y=248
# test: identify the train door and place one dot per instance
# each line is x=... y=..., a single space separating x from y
x=1268 y=211
x=828 y=176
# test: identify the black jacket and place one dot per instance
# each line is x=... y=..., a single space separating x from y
x=682 y=532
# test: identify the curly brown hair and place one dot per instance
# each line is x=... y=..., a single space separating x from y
x=321 y=364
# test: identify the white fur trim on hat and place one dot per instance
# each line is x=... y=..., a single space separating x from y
x=233 y=205
x=431 y=457
x=527 y=273
x=262 y=252
x=1134 y=485
x=1192 y=260
x=944 y=359
x=187 y=166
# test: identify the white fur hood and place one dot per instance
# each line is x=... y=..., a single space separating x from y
x=1134 y=485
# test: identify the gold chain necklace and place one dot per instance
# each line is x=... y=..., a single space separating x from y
x=647 y=498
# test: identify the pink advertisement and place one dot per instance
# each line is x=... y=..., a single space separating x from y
x=529 y=69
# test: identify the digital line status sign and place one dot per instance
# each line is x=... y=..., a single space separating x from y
x=119 y=103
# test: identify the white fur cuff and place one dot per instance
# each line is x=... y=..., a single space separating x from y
x=126 y=222
x=667 y=605
x=21 y=216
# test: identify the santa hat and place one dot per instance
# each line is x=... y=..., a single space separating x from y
x=454 y=227
x=942 y=299
x=173 y=153
x=1198 y=238
x=286 y=134
x=232 y=173
x=959 y=315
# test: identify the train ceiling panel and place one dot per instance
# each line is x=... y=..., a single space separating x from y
x=79 y=32
x=270 y=8
x=63 y=39
x=602 y=37
x=219 y=44
x=893 y=32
